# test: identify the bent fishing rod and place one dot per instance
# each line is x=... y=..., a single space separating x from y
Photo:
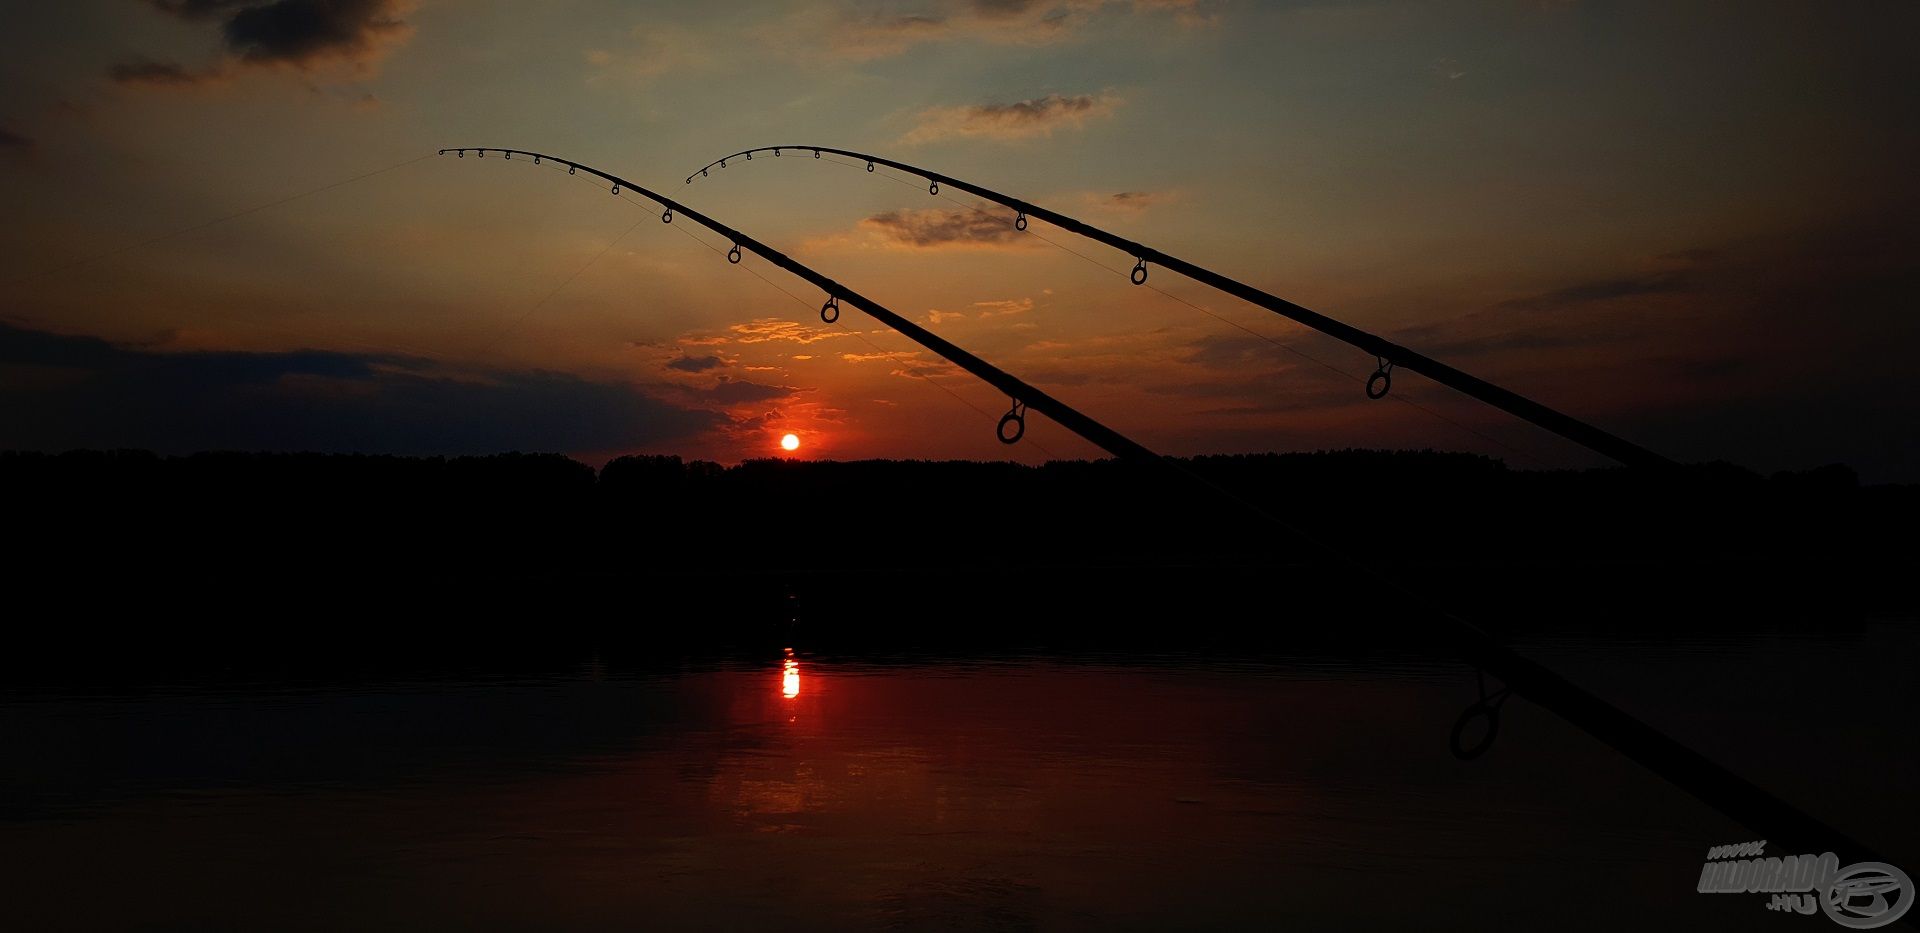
x=1025 y=397
x=1387 y=354
x=1718 y=787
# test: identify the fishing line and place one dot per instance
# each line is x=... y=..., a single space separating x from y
x=502 y=335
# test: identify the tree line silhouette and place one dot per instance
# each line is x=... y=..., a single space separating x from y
x=501 y=548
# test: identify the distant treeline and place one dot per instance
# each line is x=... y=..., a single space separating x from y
x=288 y=534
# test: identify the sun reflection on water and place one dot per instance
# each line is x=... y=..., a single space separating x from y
x=790 y=677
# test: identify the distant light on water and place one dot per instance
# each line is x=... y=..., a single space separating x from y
x=790 y=677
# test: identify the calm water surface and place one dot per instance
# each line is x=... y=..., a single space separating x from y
x=797 y=791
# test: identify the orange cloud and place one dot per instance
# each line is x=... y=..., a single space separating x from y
x=939 y=228
x=984 y=309
x=1023 y=119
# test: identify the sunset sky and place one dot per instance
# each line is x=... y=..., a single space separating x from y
x=1690 y=223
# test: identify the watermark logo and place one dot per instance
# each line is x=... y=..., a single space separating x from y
x=1861 y=896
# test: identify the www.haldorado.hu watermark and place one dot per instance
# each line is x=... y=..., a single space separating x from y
x=1861 y=896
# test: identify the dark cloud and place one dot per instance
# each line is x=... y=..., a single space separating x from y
x=1660 y=283
x=11 y=141
x=696 y=364
x=158 y=74
x=1760 y=351
x=278 y=32
x=59 y=392
x=740 y=391
x=1691 y=257
x=299 y=31
x=200 y=9
x=1002 y=8
x=1477 y=334
x=935 y=228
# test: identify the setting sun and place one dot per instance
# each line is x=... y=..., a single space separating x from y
x=790 y=442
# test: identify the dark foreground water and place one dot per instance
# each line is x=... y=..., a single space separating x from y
x=1010 y=791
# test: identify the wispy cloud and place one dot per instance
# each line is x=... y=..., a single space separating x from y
x=14 y=141
x=771 y=329
x=911 y=364
x=1657 y=283
x=984 y=309
x=1023 y=119
x=938 y=228
x=864 y=34
x=151 y=73
x=1130 y=201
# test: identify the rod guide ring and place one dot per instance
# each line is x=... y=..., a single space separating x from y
x=1016 y=416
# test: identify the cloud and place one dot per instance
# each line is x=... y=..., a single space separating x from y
x=730 y=391
x=60 y=391
x=1692 y=257
x=907 y=363
x=1019 y=120
x=1658 y=283
x=984 y=309
x=159 y=74
x=1586 y=313
x=1004 y=306
x=867 y=36
x=302 y=34
x=772 y=329
x=302 y=31
x=1192 y=14
x=1002 y=9
x=863 y=34
x=696 y=364
x=199 y=9
x=13 y=141
x=758 y=330
x=1232 y=352
x=939 y=228
x=1131 y=202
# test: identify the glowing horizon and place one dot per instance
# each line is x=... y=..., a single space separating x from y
x=1621 y=212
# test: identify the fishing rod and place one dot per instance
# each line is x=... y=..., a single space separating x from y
x=1024 y=396
x=1785 y=825
x=1387 y=354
